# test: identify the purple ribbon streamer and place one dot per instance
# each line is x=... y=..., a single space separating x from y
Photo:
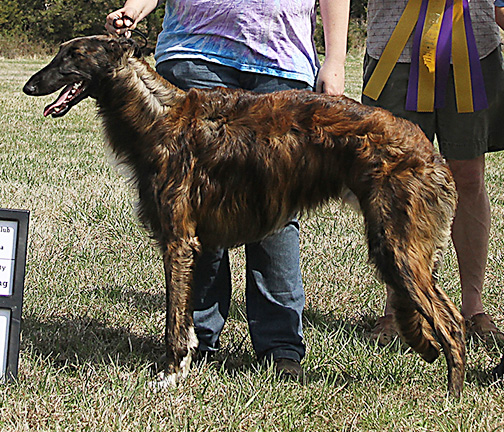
x=412 y=95
x=478 y=84
x=443 y=54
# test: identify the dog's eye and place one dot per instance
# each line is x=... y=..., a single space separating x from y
x=73 y=55
x=67 y=68
x=69 y=65
x=67 y=72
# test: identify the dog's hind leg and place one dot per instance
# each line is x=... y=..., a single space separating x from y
x=407 y=230
x=433 y=311
x=414 y=330
x=181 y=341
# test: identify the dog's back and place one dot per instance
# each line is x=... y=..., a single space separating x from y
x=262 y=158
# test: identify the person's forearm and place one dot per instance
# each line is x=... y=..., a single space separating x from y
x=142 y=7
x=335 y=16
x=499 y=16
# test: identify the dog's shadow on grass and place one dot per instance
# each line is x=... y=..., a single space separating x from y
x=72 y=341
x=234 y=357
x=75 y=341
x=359 y=327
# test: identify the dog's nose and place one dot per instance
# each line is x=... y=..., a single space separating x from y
x=29 y=89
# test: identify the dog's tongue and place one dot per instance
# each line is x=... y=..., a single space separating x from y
x=51 y=108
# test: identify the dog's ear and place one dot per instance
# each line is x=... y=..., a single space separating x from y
x=130 y=46
x=122 y=45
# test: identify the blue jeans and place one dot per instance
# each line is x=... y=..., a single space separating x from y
x=274 y=289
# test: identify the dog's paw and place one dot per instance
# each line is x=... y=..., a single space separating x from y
x=164 y=381
x=167 y=380
x=172 y=374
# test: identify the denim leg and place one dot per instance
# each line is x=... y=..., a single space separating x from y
x=275 y=295
x=212 y=276
x=211 y=297
x=274 y=292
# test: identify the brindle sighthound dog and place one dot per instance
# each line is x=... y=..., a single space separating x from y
x=219 y=168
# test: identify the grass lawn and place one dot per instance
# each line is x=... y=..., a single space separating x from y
x=93 y=317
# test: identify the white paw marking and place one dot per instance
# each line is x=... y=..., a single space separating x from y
x=166 y=381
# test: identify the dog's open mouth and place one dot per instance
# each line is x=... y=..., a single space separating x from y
x=70 y=95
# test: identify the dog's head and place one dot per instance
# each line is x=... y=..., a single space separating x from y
x=80 y=67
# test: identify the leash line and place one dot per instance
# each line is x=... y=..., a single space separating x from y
x=124 y=18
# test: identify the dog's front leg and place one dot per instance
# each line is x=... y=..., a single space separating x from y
x=179 y=257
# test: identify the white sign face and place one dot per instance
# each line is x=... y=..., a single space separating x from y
x=8 y=237
x=4 y=340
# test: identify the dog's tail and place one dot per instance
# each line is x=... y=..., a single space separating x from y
x=408 y=217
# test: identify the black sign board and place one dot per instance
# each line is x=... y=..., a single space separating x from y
x=13 y=245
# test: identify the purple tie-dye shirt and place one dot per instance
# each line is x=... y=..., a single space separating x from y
x=273 y=37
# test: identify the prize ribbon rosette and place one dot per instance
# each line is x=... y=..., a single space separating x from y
x=443 y=32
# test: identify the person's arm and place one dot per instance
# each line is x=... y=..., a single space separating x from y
x=335 y=15
x=134 y=9
x=499 y=16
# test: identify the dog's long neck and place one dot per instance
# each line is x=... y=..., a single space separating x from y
x=133 y=100
x=131 y=103
x=156 y=94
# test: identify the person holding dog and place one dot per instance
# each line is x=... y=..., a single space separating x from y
x=262 y=46
x=439 y=65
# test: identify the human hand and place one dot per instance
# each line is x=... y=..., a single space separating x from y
x=331 y=78
x=121 y=21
